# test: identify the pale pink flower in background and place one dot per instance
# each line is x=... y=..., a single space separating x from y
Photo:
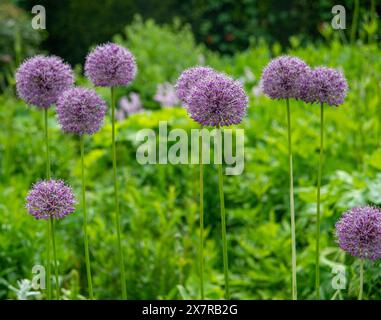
x=166 y=95
x=129 y=105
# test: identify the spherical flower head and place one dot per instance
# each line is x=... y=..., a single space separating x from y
x=110 y=65
x=358 y=232
x=40 y=80
x=217 y=101
x=50 y=199
x=324 y=85
x=80 y=111
x=281 y=78
x=189 y=78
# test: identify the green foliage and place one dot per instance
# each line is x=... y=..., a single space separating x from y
x=159 y=203
x=162 y=53
x=17 y=41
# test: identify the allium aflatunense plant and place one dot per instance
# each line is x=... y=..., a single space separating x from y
x=358 y=232
x=216 y=100
x=81 y=112
x=111 y=65
x=281 y=79
x=51 y=200
x=325 y=86
x=39 y=81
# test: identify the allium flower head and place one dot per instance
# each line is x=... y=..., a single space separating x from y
x=80 y=111
x=358 y=232
x=189 y=78
x=40 y=80
x=324 y=85
x=217 y=100
x=110 y=65
x=50 y=198
x=281 y=78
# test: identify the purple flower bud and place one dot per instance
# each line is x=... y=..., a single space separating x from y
x=40 y=80
x=358 y=232
x=324 y=85
x=110 y=65
x=189 y=78
x=80 y=111
x=50 y=198
x=217 y=100
x=281 y=78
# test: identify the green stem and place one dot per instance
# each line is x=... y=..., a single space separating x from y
x=292 y=209
x=201 y=221
x=355 y=20
x=85 y=236
x=49 y=231
x=317 y=257
x=223 y=217
x=361 y=279
x=52 y=226
x=118 y=227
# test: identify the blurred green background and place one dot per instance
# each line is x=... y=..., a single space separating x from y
x=159 y=204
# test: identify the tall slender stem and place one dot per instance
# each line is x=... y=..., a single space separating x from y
x=292 y=209
x=317 y=257
x=85 y=236
x=118 y=227
x=52 y=226
x=355 y=20
x=223 y=216
x=361 y=279
x=48 y=236
x=201 y=220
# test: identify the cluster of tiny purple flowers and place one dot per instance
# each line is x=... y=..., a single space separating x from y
x=110 y=65
x=50 y=199
x=358 y=232
x=289 y=77
x=40 y=80
x=212 y=98
x=80 y=111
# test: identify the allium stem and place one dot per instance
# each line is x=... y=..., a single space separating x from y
x=201 y=255
x=223 y=216
x=118 y=227
x=85 y=236
x=361 y=279
x=317 y=257
x=52 y=226
x=292 y=209
x=49 y=231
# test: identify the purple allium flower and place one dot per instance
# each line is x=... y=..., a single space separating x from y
x=189 y=78
x=40 y=80
x=324 y=85
x=129 y=105
x=110 y=65
x=217 y=100
x=281 y=78
x=166 y=95
x=80 y=111
x=358 y=232
x=50 y=198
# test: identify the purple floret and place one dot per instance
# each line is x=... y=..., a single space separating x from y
x=189 y=78
x=324 y=85
x=50 y=199
x=282 y=77
x=358 y=232
x=80 y=111
x=217 y=101
x=110 y=65
x=40 y=80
